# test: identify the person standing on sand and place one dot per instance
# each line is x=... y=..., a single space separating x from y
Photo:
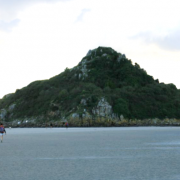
x=51 y=125
x=2 y=131
x=66 y=124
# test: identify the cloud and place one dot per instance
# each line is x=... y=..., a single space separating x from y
x=167 y=41
x=9 y=11
x=7 y=26
x=170 y=41
x=17 y=3
x=83 y=12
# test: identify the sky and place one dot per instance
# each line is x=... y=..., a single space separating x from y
x=40 y=38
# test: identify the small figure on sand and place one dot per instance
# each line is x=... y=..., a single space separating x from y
x=51 y=125
x=2 y=131
x=66 y=124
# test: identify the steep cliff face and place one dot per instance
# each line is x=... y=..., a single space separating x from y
x=104 y=84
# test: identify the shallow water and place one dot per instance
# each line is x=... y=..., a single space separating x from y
x=127 y=153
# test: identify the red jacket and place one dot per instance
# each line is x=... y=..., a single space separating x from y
x=2 y=129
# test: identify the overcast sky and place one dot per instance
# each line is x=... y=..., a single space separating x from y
x=40 y=38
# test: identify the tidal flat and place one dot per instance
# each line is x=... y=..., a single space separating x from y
x=122 y=153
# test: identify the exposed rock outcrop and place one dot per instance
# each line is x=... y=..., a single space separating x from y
x=3 y=113
x=11 y=107
x=83 y=69
x=83 y=102
x=103 y=108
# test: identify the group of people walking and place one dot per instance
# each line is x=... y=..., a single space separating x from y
x=66 y=124
x=2 y=131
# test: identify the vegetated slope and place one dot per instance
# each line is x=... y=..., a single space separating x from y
x=102 y=73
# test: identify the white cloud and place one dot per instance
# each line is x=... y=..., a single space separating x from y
x=83 y=12
x=168 y=41
x=7 y=26
x=9 y=10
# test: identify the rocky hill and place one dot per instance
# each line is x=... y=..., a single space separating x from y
x=104 y=84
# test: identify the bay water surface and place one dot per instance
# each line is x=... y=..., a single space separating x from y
x=124 y=153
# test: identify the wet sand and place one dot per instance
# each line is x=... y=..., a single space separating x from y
x=147 y=153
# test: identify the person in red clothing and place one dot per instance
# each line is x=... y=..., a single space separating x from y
x=2 y=131
x=66 y=124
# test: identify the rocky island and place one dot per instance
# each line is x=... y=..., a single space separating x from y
x=104 y=89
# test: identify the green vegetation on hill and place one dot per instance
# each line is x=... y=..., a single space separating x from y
x=102 y=73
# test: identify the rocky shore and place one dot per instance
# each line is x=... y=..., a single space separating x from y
x=99 y=122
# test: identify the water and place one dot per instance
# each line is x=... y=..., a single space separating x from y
x=127 y=153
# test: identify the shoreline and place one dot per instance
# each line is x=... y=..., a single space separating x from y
x=91 y=126
x=92 y=123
